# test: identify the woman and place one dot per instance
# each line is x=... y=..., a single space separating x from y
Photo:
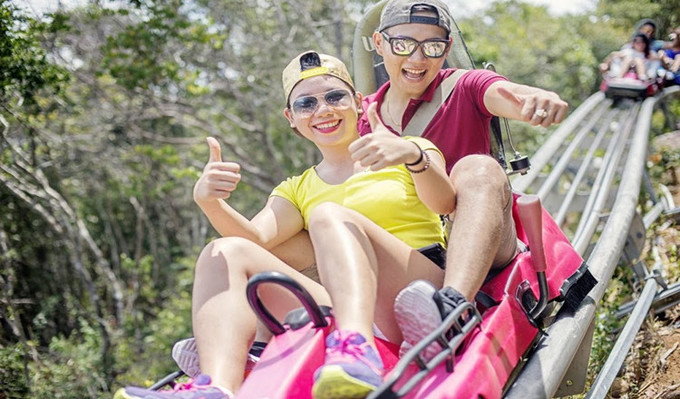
x=368 y=205
x=637 y=59
x=670 y=56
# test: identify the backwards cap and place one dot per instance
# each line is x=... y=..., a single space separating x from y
x=309 y=64
x=397 y=12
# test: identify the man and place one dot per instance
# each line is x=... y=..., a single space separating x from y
x=414 y=38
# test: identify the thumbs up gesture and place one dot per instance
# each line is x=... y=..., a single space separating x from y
x=219 y=178
x=381 y=148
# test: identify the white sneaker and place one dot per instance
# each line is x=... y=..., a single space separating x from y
x=185 y=354
x=417 y=315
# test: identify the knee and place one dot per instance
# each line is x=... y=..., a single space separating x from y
x=480 y=174
x=331 y=219
x=326 y=214
x=478 y=170
x=222 y=254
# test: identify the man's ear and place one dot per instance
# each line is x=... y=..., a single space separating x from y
x=448 y=48
x=289 y=115
x=377 y=42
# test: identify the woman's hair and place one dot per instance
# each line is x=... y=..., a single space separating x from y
x=645 y=40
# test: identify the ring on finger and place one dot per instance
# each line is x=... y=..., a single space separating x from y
x=540 y=113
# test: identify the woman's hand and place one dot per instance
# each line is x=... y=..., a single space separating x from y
x=382 y=148
x=219 y=179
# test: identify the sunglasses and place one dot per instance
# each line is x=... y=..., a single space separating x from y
x=307 y=105
x=405 y=46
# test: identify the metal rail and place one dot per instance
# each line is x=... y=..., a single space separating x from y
x=604 y=221
x=611 y=368
x=543 y=157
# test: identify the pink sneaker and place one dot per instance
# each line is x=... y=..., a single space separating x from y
x=198 y=388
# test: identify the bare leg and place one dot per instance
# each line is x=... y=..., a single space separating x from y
x=676 y=64
x=223 y=323
x=299 y=254
x=366 y=267
x=483 y=231
x=640 y=68
x=626 y=63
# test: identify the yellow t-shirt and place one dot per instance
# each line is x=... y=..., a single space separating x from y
x=387 y=197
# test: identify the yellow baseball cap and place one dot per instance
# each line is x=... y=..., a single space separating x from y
x=309 y=64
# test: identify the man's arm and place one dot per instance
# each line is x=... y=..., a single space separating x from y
x=525 y=103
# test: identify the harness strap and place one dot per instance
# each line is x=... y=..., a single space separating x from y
x=426 y=111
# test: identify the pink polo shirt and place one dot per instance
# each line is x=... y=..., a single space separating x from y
x=461 y=126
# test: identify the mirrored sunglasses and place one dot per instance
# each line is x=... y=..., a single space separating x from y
x=307 y=105
x=405 y=46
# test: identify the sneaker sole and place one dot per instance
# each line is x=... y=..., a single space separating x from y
x=334 y=383
x=417 y=315
x=185 y=354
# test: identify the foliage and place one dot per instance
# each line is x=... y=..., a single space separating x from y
x=606 y=327
x=625 y=13
x=12 y=375
x=25 y=68
x=72 y=365
x=664 y=159
x=529 y=46
x=103 y=118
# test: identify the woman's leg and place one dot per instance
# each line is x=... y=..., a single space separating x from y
x=640 y=68
x=223 y=322
x=676 y=64
x=363 y=268
x=626 y=63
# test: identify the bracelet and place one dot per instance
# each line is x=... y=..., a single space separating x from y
x=419 y=159
x=425 y=155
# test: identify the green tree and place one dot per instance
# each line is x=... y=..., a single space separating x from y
x=104 y=112
x=529 y=46
x=103 y=172
x=625 y=13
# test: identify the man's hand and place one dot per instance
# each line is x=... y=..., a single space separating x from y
x=219 y=178
x=538 y=107
x=382 y=148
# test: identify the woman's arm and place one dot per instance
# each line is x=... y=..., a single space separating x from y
x=382 y=148
x=276 y=222
x=433 y=185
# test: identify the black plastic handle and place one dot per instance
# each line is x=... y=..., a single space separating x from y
x=293 y=286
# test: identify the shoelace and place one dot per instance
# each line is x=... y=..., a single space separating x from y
x=345 y=346
x=186 y=386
